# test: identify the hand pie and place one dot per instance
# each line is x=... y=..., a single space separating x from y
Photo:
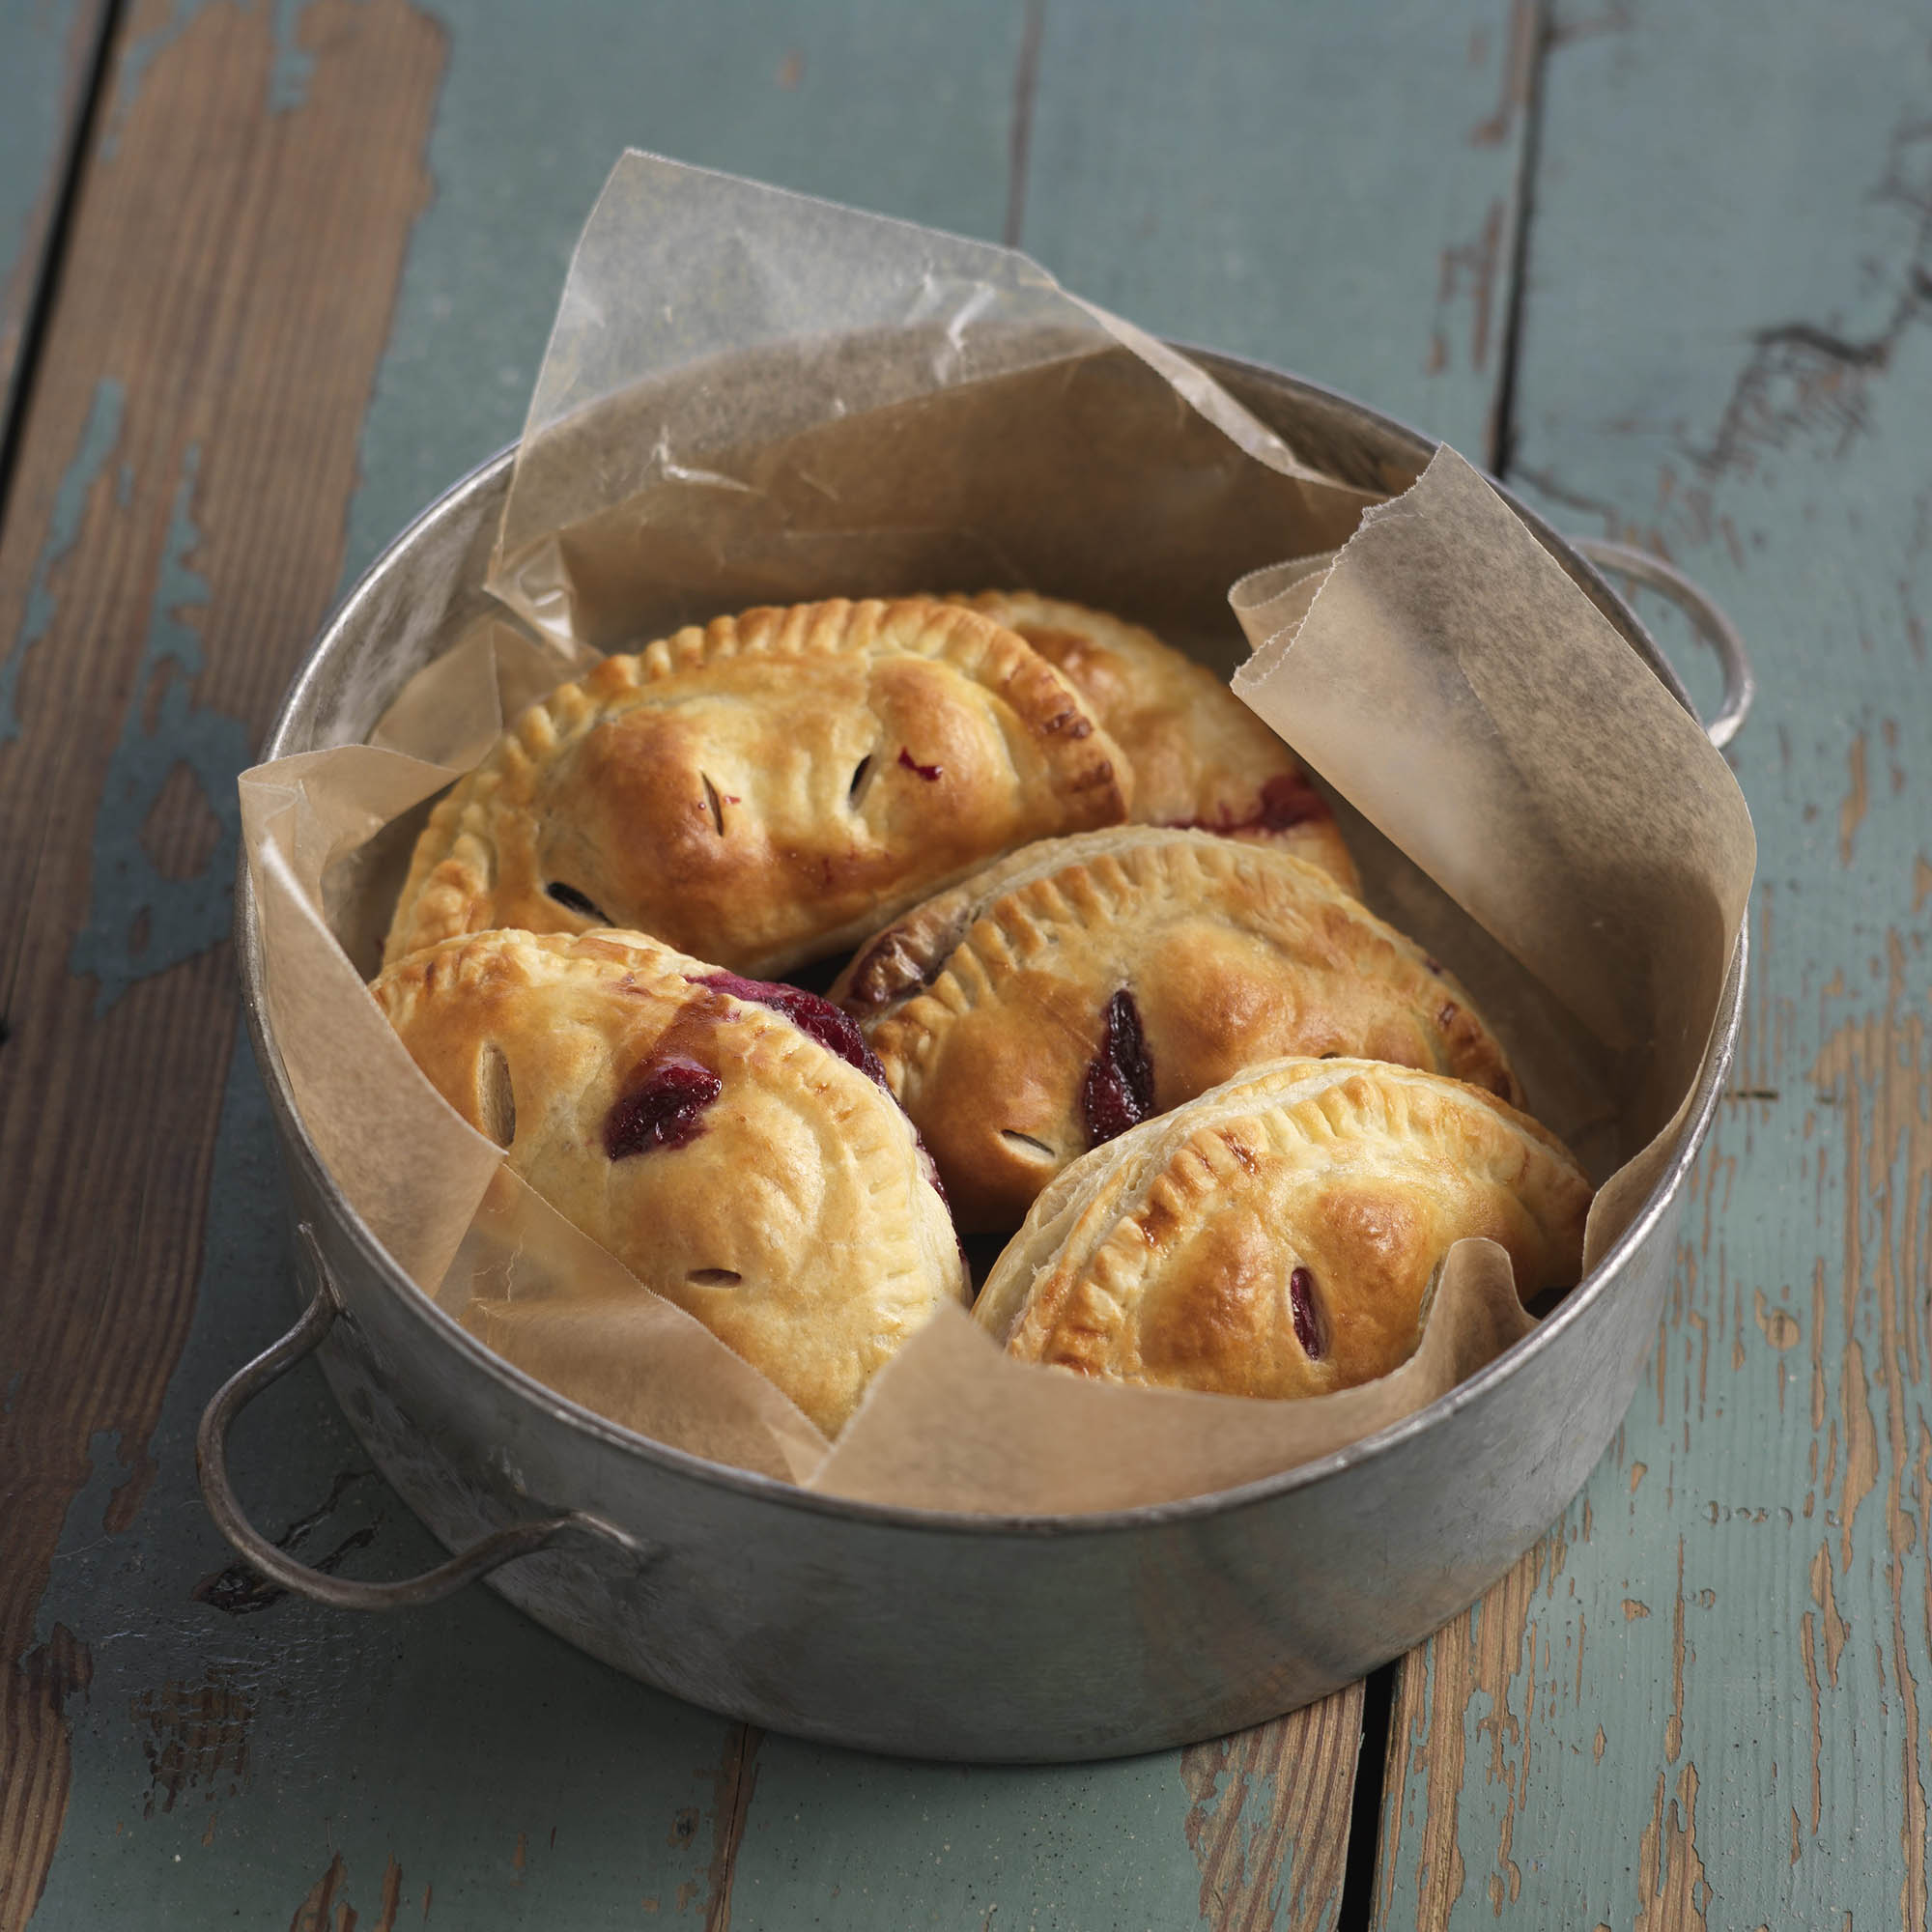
x=765 y=790
x=1281 y=1236
x=1081 y=984
x=729 y=1141
x=1199 y=756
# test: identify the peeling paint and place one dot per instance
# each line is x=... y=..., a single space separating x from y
x=1473 y=267
x=289 y=76
x=315 y=1912
x=146 y=917
x=1519 y=51
x=1835 y=1629
x=1804 y=380
x=1778 y=1325
x=1245 y=1865
x=1673 y=1894
x=99 y=440
x=195 y=1739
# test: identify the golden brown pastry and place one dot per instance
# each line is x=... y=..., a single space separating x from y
x=729 y=1141
x=1200 y=757
x=1080 y=984
x=1281 y=1235
x=767 y=788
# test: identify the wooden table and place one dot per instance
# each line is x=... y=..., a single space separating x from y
x=272 y=276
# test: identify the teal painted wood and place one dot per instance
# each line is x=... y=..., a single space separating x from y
x=1248 y=1831
x=1702 y=1700
x=906 y=110
x=50 y=48
x=254 y=1763
x=838 y=1840
x=1329 y=189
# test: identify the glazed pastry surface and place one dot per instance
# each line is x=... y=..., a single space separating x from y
x=730 y=1142
x=1281 y=1235
x=767 y=788
x=1200 y=757
x=1081 y=984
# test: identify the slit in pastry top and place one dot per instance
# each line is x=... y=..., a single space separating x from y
x=1067 y=991
x=768 y=788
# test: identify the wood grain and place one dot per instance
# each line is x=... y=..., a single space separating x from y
x=174 y=534
x=1700 y=1700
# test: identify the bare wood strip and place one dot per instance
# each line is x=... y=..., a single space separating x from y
x=1270 y=1818
x=176 y=532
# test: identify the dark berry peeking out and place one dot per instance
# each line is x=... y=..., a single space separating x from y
x=662 y=1107
x=1118 y=1092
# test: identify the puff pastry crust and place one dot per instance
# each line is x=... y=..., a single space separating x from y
x=767 y=788
x=1200 y=757
x=1281 y=1235
x=743 y=1164
x=1080 y=984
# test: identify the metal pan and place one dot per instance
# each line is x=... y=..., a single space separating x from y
x=918 y=1632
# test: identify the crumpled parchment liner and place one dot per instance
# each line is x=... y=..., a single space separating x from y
x=753 y=396
x=1441 y=618
x=955 y=1417
x=1445 y=674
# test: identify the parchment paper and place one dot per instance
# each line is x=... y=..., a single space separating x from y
x=720 y=418
x=435 y=1192
x=1526 y=758
x=751 y=395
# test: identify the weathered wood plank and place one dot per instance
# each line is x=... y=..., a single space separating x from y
x=50 y=50
x=173 y=533
x=1244 y=1831
x=1698 y=1701
x=1329 y=189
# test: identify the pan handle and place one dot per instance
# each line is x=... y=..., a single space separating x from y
x=1710 y=624
x=343 y=1593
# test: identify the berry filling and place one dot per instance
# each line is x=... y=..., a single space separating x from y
x=1301 y=1307
x=1118 y=1092
x=832 y=1028
x=1286 y=800
x=661 y=1108
x=835 y=1030
x=927 y=772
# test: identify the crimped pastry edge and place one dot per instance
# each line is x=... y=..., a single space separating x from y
x=1107 y=1184
x=452 y=868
